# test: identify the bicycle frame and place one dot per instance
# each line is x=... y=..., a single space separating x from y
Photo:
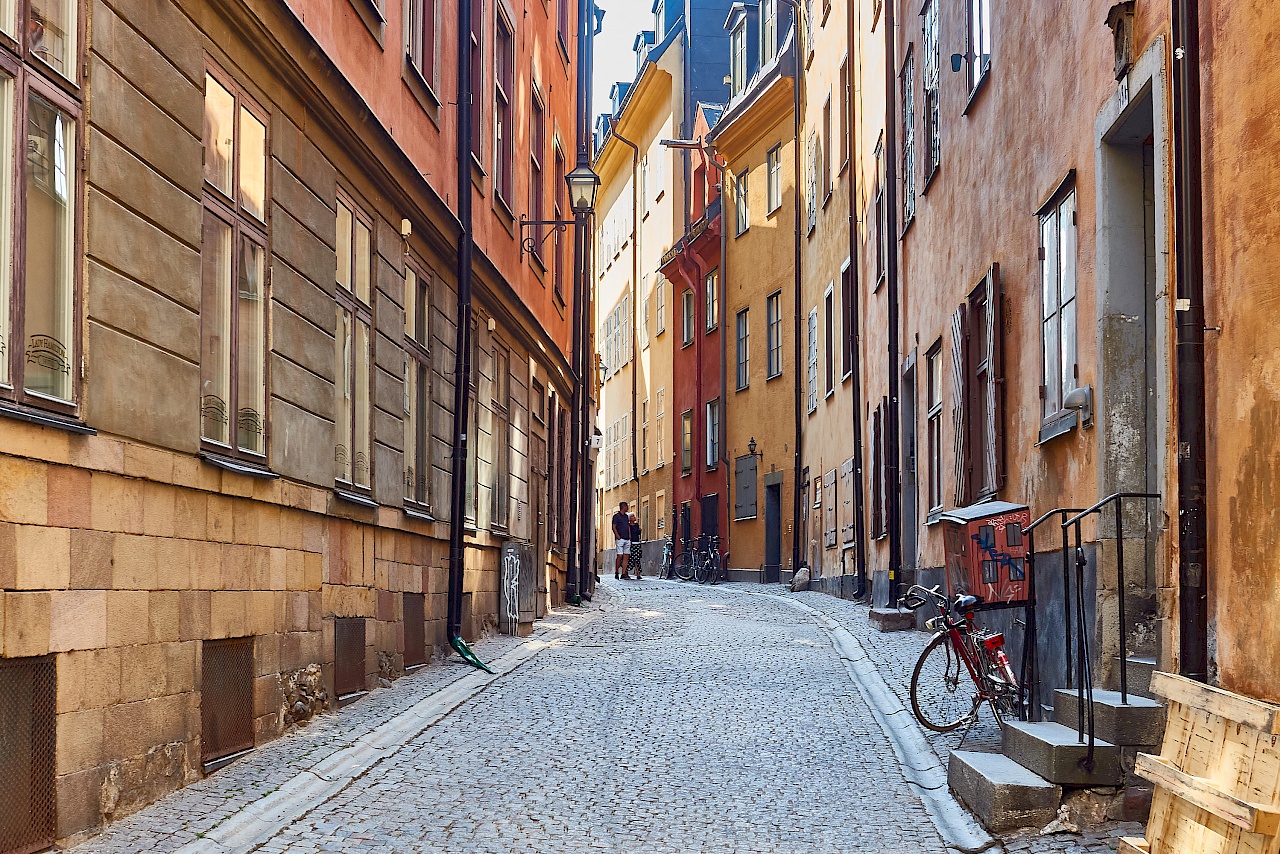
x=961 y=638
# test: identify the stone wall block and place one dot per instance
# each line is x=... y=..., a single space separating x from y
x=137 y=309
x=386 y=605
x=220 y=522
x=77 y=619
x=290 y=145
x=92 y=556
x=134 y=728
x=237 y=567
x=24 y=491
x=70 y=497
x=88 y=679
x=190 y=514
x=295 y=571
x=121 y=365
x=174 y=34
x=267 y=694
x=206 y=566
x=134 y=566
x=310 y=211
x=315 y=611
x=279 y=569
x=164 y=608
x=305 y=343
x=194 y=614
x=117 y=503
x=159 y=506
x=44 y=558
x=79 y=797
x=266 y=612
x=297 y=612
x=266 y=655
x=8 y=555
x=127 y=620
x=173 y=563
x=313 y=567
x=118 y=173
x=228 y=614
x=26 y=623
x=301 y=446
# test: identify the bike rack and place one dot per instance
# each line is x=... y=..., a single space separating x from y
x=1084 y=667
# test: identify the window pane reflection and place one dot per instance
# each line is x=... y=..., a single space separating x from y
x=250 y=350
x=219 y=124
x=253 y=165
x=215 y=332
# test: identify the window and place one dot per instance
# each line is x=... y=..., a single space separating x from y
x=773 y=188
x=477 y=75
x=501 y=405
x=644 y=435
x=660 y=420
x=233 y=351
x=353 y=343
x=773 y=320
x=846 y=95
x=813 y=360
x=644 y=320
x=660 y=308
x=1058 y=289
x=421 y=24
x=537 y=187
x=847 y=331
x=687 y=318
x=713 y=434
x=743 y=207
x=932 y=84
x=829 y=339
x=737 y=60
x=744 y=356
x=712 y=288
x=417 y=388
x=908 y=94
x=560 y=189
x=827 y=182
x=768 y=31
x=977 y=330
x=686 y=441
x=503 y=89
x=882 y=221
x=562 y=22
x=933 y=367
x=979 y=41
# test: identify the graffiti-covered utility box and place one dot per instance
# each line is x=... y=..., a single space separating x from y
x=518 y=596
x=987 y=552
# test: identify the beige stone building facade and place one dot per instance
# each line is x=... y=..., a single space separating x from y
x=228 y=332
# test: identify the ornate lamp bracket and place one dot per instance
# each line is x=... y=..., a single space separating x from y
x=531 y=244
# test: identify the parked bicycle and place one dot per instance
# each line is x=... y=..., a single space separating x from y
x=685 y=560
x=668 y=557
x=707 y=566
x=941 y=697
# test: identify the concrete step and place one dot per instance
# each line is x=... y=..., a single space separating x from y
x=1140 y=669
x=1053 y=751
x=1139 y=723
x=1000 y=792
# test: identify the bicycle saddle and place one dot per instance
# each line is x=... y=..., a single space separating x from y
x=965 y=603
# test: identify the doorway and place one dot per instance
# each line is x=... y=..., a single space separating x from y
x=910 y=532
x=710 y=510
x=772 y=532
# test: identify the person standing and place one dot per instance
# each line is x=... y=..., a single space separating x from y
x=621 y=533
x=636 y=546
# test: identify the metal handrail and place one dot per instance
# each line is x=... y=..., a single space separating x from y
x=1030 y=647
x=1083 y=664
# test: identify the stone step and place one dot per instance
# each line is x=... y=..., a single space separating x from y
x=1139 y=723
x=1000 y=792
x=1054 y=752
x=1140 y=669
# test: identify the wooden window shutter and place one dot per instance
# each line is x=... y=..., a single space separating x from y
x=959 y=335
x=996 y=407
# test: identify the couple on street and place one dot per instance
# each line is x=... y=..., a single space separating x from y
x=626 y=530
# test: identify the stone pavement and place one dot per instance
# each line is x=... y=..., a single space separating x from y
x=676 y=718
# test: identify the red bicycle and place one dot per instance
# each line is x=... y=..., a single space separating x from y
x=941 y=698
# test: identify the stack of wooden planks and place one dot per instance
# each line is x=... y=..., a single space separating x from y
x=1217 y=776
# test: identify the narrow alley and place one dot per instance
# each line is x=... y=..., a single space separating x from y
x=663 y=718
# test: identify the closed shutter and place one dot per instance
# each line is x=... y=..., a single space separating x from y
x=829 y=510
x=744 y=490
x=996 y=409
x=958 y=335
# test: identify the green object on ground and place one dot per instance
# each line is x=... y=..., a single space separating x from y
x=467 y=655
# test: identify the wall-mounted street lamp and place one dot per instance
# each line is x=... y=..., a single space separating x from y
x=751 y=448
x=583 y=184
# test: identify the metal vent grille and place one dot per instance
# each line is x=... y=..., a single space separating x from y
x=28 y=818
x=348 y=636
x=226 y=699
x=415 y=629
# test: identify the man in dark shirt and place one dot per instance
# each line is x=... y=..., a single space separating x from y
x=622 y=534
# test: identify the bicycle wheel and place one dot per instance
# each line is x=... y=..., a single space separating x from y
x=700 y=567
x=943 y=696
x=716 y=566
x=683 y=566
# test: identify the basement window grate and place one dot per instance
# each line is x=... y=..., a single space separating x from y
x=28 y=709
x=226 y=701
x=348 y=657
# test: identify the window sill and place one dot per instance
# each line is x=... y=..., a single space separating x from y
x=46 y=419
x=477 y=173
x=372 y=17
x=933 y=517
x=355 y=498
x=422 y=515
x=906 y=227
x=237 y=466
x=977 y=90
x=928 y=182
x=773 y=376
x=1057 y=425
x=422 y=91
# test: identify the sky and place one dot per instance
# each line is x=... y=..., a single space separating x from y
x=614 y=58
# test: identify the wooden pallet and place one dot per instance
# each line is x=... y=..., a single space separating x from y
x=1217 y=776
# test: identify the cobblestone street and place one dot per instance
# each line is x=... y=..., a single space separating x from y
x=664 y=718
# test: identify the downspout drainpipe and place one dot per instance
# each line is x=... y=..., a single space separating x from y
x=635 y=297
x=892 y=489
x=462 y=360
x=855 y=311
x=724 y=352
x=1193 y=606
x=796 y=497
